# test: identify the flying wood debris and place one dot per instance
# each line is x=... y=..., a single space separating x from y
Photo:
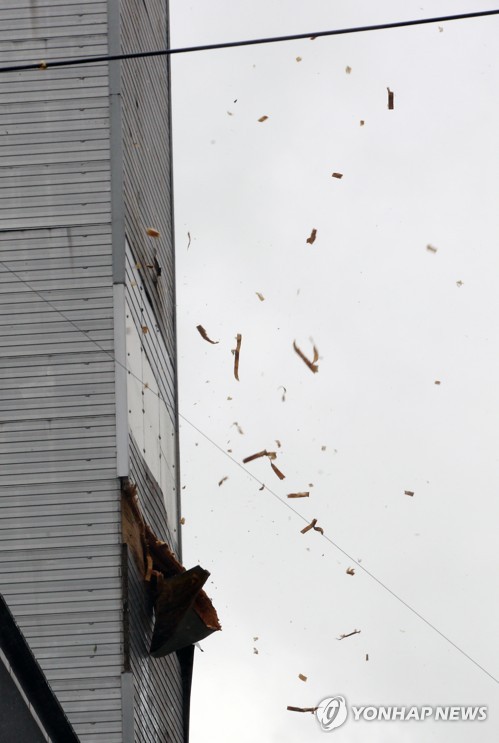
x=263 y=453
x=262 y=119
x=223 y=480
x=236 y=355
x=459 y=283
x=337 y=175
x=278 y=443
x=302 y=709
x=239 y=429
x=263 y=486
x=305 y=494
x=431 y=249
x=202 y=332
x=367 y=656
x=408 y=492
x=437 y=381
x=313 y=526
x=312 y=237
x=362 y=122
x=43 y=64
x=298 y=59
x=152 y=232
x=312 y=365
x=390 y=99
x=145 y=329
x=283 y=398
x=348 y=69
x=189 y=243
x=350 y=571
x=278 y=472
x=302 y=677
x=182 y=520
x=260 y=296
x=355 y=632
x=255 y=651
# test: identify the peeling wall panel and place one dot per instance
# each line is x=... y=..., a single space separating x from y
x=158 y=689
x=147 y=156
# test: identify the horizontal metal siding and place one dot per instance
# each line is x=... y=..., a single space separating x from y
x=158 y=681
x=54 y=123
x=147 y=156
x=151 y=497
x=60 y=553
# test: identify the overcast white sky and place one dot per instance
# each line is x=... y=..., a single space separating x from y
x=389 y=318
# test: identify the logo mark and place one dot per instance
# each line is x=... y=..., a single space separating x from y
x=332 y=713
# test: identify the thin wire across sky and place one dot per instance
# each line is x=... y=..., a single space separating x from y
x=77 y=61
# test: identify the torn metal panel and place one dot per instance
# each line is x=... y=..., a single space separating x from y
x=183 y=612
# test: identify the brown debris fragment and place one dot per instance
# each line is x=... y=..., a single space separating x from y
x=145 y=329
x=223 y=480
x=298 y=495
x=152 y=232
x=278 y=443
x=189 y=243
x=236 y=355
x=459 y=283
x=312 y=237
x=313 y=526
x=302 y=709
x=182 y=520
x=349 y=634
x=390 y=99
x=337 y=175
x=255 y=651
x=350 y=571
x=323 y=448
x=298 y=59
x=260 y=296
x=362 y=122
x=149 y=568
x=312 y=365
x=263 y=453
x=239 y=429
x=202 y=332
x=278 y=472
x=262 y=119
x=348 y=69
x=43 y=65
x=283 y=398
x=263 y=486
x=431 y=249
x=367 y=656
x=437 y=381
x=302 y=677
x=408 y=492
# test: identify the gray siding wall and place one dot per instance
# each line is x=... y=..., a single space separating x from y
x=148 y=203
x=60 y=554
x=147 y=154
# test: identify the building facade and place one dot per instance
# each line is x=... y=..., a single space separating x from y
x=88 y=401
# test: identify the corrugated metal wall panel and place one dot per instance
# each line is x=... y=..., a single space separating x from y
x=150 y=298
x=60 y=535
x=147 y=156
x=158 y=687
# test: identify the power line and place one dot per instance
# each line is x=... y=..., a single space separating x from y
x=43 y=64
x=248 y=472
